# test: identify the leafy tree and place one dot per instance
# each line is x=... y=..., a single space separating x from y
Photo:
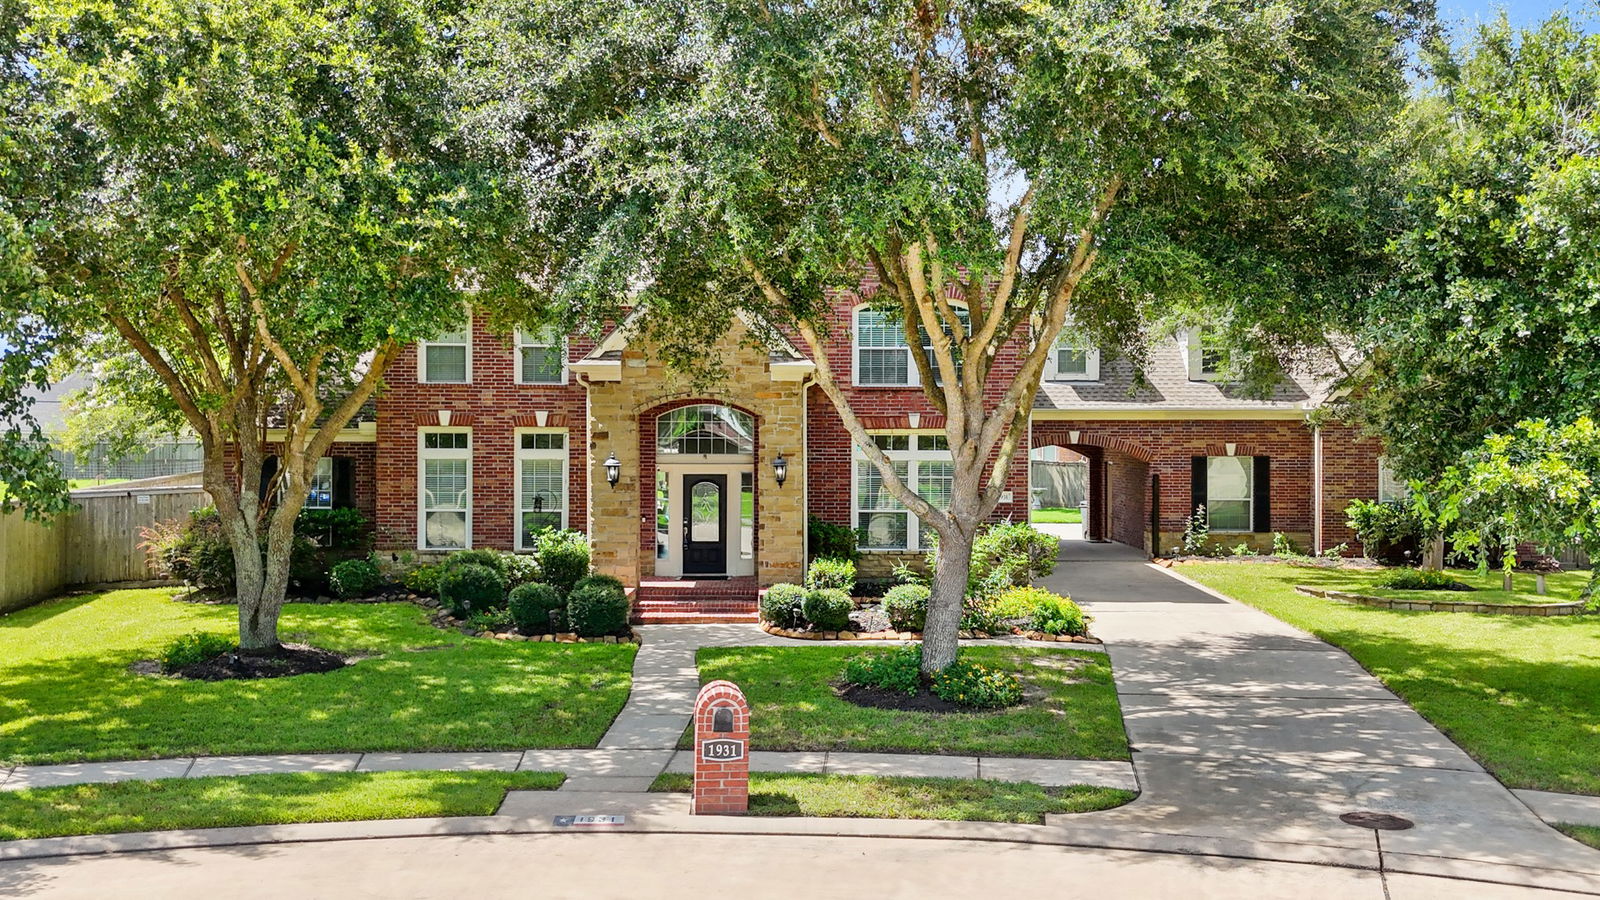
x=1538 y=483
x=264 y=200
x=1115 y=161
x=1492 y=316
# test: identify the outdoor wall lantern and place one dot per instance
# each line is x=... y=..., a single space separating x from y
x=780 y=469
x=613 y=469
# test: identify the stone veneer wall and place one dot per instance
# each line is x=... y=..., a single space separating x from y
x=620 y=516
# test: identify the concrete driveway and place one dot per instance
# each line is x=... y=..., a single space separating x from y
x=1247 y=728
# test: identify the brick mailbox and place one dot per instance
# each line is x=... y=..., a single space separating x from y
x=721 y=751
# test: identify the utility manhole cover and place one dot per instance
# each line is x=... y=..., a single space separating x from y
x=1377 y=821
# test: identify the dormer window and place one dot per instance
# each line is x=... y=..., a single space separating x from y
x=882 y=358
x=1208 y=355
x=1073 y=358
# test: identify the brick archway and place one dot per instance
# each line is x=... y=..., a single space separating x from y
x=1119 y=479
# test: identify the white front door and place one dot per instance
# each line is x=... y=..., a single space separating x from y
x=705 y=520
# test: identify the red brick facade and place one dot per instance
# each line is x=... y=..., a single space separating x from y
x=494 y=405
x=1138 y=465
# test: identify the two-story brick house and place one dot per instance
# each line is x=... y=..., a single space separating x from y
x=483 y=439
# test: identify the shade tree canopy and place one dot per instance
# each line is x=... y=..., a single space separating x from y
x=261 y=202
x=1115 y=163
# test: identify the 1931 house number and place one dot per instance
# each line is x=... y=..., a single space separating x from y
x=721 y=750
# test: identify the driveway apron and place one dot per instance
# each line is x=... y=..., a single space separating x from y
x=1245 y=727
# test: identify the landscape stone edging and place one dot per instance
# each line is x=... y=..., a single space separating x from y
x=799 y=635
x=1451 y=606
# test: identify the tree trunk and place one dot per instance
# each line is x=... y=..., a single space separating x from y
x=940 y=638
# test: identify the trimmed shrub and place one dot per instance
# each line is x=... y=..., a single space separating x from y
x=470 y=588
x=1019 y=602
x=972 y=684
x=781 y=606
x=831 y=541
x=195 y=647
x=831 y=575
x=827 y=609
x=343 y=531
x=424 y=579
x=896 y=670
x=487 y=558
x=531 y=605
x=564 y=559
x=906 y=605
x=520 y=568
x=1053 y=614
x=1420 y=580
x=1382 y=526
x=1012 y=554
x=355 y=578
x=197 y=552
x=597 y=606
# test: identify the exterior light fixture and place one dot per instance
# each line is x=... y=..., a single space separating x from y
x=613 y=469
x=780 y=469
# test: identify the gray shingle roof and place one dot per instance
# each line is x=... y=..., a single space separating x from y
x=1167 y=386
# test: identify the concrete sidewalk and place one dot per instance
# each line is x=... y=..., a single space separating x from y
x=1244 y=727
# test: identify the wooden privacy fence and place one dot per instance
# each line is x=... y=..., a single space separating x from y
x=99 y=542
x=1060 y=483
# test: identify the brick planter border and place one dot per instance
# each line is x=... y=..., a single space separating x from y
x=1449 y=606
x=799 y=635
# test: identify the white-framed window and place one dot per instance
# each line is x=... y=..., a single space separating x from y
x=882 y=358
x=447 y=359
x=541 y=483
x=444 y=489
x=319 y=494
x=924 y=464
x=1073 y=358
x=1208 y=355
x=1390 y=488
x=1230 y=493
x=541 y=356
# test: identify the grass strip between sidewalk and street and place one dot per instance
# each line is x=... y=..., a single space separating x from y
x=276 y=799
x=1521 y=694
x=1587 y=834
x=1070 y=710
x=885 y=797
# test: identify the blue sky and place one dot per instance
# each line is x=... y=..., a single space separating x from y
x=1523 y=13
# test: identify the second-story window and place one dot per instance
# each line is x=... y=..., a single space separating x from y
x=1073 y=358
x=541 y=356
x=882 y=358
x=1208 y=355
x=447 y=359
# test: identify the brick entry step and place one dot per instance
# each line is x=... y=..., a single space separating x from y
x=692 y=602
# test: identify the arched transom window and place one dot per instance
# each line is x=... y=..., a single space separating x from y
x=706 y=429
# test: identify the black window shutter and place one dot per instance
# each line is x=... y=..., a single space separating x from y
x=344 y=482
x=1263 y=495
x=1197 y=485
x=269 y=471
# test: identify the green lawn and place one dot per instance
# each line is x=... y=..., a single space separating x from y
x=1519 y=693
x=1562 y=587
x=280 y=799
x=1058 y=515
x=876 y=797
x=66 y=693
x=1072 y=711
x=1588 y=834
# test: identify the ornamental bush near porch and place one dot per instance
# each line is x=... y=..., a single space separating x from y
x=598 y=606
x=531 y=605
x=906 y=605
x=781 y=606
x=828 y=610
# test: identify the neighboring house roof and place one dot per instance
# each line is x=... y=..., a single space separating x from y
x=46 y=405
x=1166 y=386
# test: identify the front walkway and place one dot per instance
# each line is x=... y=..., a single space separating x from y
x=1244 y=727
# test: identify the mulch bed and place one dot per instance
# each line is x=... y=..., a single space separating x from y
x=290 y=659
x=923 y=700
